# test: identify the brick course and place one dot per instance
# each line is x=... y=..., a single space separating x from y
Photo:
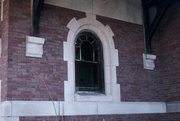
x=37 y=78
x=139 y=117
x=166 y=44
x=136 y=83
x=4 y=56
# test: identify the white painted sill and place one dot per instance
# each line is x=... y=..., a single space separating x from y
x=89 y=93
x=89 y=96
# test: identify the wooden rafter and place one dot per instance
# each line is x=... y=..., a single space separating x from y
x=150 y=27
x=36 y=12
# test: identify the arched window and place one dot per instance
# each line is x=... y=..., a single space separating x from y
x=91 y=62
x=89 y=72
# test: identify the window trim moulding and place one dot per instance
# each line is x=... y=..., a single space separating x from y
x=34 y=46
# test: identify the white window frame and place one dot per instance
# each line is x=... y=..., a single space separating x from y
x=105 y=34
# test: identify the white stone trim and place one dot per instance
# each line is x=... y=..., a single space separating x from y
x=106 y=108
x=29 y=108
x=34 y=46
x=9 y=118
x=0 y=47
x=148 y=61
x=46 y=108
x=173 y=107
x=131 y=108
x=112 y=89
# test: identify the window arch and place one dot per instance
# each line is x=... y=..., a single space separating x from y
x=89 y=72
x=110 y=90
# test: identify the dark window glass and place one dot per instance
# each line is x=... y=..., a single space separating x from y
x=89 y=72
x=87 y=51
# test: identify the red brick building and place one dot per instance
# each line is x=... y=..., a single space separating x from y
x=89 y=60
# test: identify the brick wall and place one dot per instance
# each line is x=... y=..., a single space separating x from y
x=139 y=117
x=3 y=59
x=27 y=76
x=166 y=45
x=0 y=21
x=136 y=83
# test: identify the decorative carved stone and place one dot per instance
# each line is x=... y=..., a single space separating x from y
x=148 y=60
x=34 y=46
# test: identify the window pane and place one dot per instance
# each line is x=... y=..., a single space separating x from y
x=82 y=38
x=78 y=42
x=96 y=56
x=86 y=76
x=90 y=39
x=87 y=51
x=89 y=73
x=78 y=53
